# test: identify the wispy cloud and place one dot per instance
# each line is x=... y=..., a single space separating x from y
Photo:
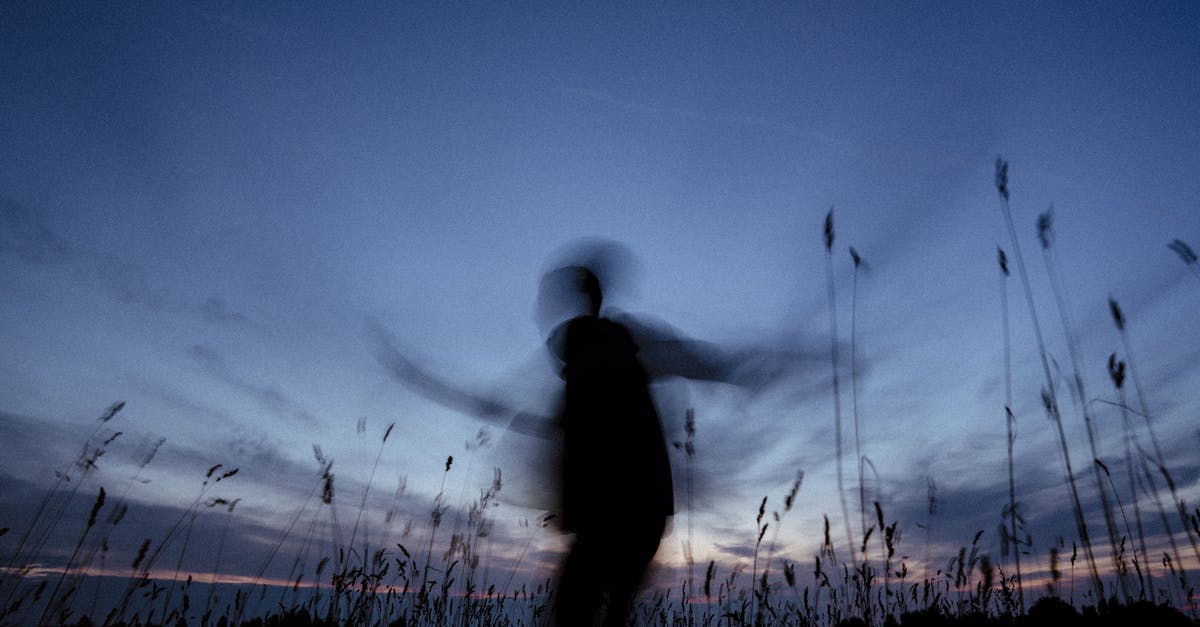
x=772 y=123
x=217 y=311
x=26 y=236
x=268 y=395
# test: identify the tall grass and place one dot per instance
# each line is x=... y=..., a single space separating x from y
x=1049 y=398
x=393 y=588
x=91 y=522
x=1045 y=230
x=837 y=395
x=1116 y=372
x=858 y=454
x=48 y=514
x=1012 y=538
x=689 y=449
x=1159 y=459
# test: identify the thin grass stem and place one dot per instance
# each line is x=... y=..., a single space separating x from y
x=1049 y=398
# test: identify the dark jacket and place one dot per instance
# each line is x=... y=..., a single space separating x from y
x=615 y=460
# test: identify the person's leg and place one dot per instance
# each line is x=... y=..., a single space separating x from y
x=579 y=591
x=629 y=559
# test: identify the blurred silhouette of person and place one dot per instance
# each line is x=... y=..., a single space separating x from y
x=616 y=476
x=615 y=491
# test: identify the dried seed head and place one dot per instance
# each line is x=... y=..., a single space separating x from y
x=866 y=539
x=829 y=230
x=327 y=488
x=1184 y=251
x=1003 y=260
x=115 y=515
x=1118 y=317
x=855 y=256
x=791 y=496
x=149 y=450
x=1002 y=177
x=1116 y=370
x=1048 y=401
x=1045 y=228
x=96 y=508
x=141 y=553
x=111 y=411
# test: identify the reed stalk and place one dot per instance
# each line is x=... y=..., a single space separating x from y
x=212 y=584
x=1049 y=398
x=858 y=454
x=1148 y=477
x=1116 y=372
x=70 y=562
x=837 y=396
x=42 y=524
x=366 y=490
x=1159 y=458
x=1010 y=422
x=1045 y=229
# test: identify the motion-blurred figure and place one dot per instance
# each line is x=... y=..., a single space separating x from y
x=615 y=490
x=616 y=477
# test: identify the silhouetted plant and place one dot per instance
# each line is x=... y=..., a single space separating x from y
x=1049 y=398
x=1045 y=230
x=837 y=396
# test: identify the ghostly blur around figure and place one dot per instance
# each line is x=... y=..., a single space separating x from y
x=614 y=487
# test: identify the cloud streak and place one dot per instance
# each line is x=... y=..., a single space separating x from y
x=27 y=237
x=268 y=395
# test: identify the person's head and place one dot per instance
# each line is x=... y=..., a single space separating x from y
x=581 y=274
x=568 y=292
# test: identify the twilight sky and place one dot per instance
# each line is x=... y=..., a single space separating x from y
x=202 y=206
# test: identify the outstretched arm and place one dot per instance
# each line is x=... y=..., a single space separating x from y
x=667 y=352
x=439 y=390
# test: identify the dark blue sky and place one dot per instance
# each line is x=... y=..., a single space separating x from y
x=202 y=204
